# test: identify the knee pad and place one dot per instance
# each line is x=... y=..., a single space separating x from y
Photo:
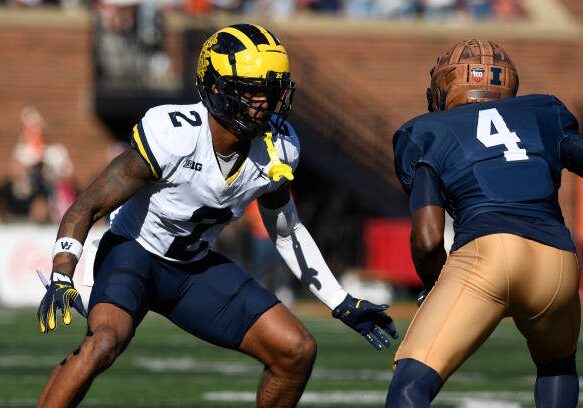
x=414 y=385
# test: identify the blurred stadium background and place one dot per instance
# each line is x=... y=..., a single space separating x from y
x=76 y=75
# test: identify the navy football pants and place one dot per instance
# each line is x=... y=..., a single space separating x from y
x=213 y=299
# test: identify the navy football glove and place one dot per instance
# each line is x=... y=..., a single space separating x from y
x=61 y=294
x=367 y=319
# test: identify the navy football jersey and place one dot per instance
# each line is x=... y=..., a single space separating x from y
x=499 y=157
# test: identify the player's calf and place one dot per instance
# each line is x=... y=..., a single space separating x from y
x=71 y=378
x=557 y=384
x=287 y=350
x=286 y=374
x=414 y=385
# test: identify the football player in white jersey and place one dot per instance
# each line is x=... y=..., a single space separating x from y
x=192 y=170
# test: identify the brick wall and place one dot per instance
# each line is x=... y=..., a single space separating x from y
x=46 y=61
x=49 y=66
x=51 y=69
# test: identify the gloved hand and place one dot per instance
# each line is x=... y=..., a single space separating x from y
x=367 y=319
x=61 y=294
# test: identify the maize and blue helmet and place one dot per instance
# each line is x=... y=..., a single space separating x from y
x=238 y=63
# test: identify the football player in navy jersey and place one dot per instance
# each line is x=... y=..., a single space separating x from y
x=493 y=161
x=192 y=170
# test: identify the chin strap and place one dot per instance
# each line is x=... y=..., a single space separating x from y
x=277 y=169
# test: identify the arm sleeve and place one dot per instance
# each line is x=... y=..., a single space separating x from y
x=567 y=122
x=301 y=254
x=426 y=189
x=406 y=155
x=572 y=154
x=571 y=142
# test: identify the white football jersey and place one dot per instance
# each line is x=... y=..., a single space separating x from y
x=179 y=215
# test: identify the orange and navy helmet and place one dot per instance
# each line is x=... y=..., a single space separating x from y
x=471 y=71
x=238 y=63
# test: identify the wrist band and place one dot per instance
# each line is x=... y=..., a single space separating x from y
x=70 y=245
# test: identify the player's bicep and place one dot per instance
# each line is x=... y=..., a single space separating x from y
x=278 y=213
x=124 y=176
x=427 y=208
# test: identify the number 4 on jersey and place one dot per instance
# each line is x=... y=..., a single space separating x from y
x=489 y=118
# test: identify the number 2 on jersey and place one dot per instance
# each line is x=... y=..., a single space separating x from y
x=489 y=118
x=195 y=121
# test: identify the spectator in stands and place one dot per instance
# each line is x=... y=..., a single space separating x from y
x=58 y=172
x=508 y=9
x=391 y=9
x=128 y=45
x=439 y=9
x=479 y=9
x=39 y=3
x=358 y=8
x=321 y=6
x=32 y=135
x=198 y=6
x=269 y=8
x=23 y=195
x=39 y=183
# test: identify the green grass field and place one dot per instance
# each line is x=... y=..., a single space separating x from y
x=164 y=367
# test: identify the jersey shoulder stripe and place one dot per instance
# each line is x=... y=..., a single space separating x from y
x=168 y=133
x=174 y=129
x=140 y=143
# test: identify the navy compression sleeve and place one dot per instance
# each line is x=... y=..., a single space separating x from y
x=572 y=154
x=426 y=189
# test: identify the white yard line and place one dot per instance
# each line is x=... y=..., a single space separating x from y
x=229 y=368
x=377 y=398
x=15 y=360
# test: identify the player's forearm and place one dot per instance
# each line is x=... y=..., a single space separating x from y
x=75 y=224
x=428 y=263
x=301 y=254
x=304 y=259
x=125 y=175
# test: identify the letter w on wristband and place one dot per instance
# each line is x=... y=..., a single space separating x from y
x=70 y=245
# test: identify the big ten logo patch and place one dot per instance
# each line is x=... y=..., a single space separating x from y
x=477 y=74
x=191 y=164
